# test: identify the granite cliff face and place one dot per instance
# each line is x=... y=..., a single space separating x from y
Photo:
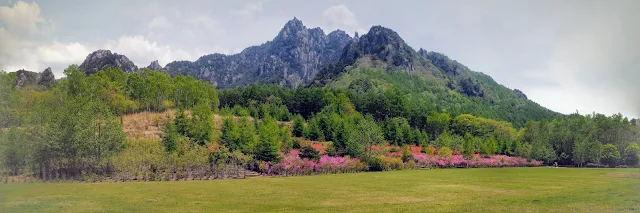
x=102 y=59
x=292 y=58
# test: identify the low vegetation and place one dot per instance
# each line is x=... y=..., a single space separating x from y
x=438 y=190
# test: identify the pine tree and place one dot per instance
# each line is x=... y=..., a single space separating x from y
x=298 y=126
x=468 y=148
x=170 y=136
x=247 y=135
x=267 y=146
x=230 y=134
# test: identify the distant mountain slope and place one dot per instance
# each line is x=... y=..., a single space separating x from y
x=377 y=60
x=381 y=60
x=292 y=58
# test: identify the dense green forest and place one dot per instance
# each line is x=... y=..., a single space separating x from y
x=74 y=128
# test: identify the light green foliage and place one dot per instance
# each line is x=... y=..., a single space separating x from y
x=489 y=146
x=444 y=140
x=609 y=155
x=284 y=136
x=445 y=152
x=267 y=147
x=201 y=126
x=437 y=123
x=468 y=148
x=247 y=136
x=366 y=134
x=586 y=150
x=230 y=134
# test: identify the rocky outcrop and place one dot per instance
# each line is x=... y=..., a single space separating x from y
x=382 y=44
x=102 y=59
x=29 y=78
x=292 y=58
x=154 y=66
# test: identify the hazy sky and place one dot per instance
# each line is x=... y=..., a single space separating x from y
x=566 y=55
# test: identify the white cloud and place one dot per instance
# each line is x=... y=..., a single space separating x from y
x=142 y=51
x=160 y=22
x=23 y=19
x=340 y=17
x=248 y=11
x=62 y=53
x=22 y=24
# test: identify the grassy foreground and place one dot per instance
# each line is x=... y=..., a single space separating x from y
x=442 y=190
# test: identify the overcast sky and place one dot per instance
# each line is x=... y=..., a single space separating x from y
x=565 y=55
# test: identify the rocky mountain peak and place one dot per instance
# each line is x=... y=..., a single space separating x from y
x=101 y=59
x=382 y=44
x=154 y=65
x=381 y=36
x=292 y=58
x=292 y=30
x=294 y=24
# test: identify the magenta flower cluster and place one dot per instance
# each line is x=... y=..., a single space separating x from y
x=423 y=160
x=291 y=165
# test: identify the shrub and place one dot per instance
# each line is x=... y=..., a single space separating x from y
x=296 y=144
x=375 y=164
x=391 y=163
x=595 y=165
x=309 y=152
x=445 y=152
x=430 y=150
x=298 y=126
x=406 y=155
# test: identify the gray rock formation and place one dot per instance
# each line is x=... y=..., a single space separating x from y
x=28 y=78
x=102 y=59
x=154 y=66
x=292 y=58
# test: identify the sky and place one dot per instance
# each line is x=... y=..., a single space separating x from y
x=570 y=55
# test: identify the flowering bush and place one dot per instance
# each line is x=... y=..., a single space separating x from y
x=292 y=164
x=458 y=160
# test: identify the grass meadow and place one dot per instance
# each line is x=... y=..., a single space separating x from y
x=437 y=190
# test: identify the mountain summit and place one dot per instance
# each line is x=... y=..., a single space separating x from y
x=101 y=59
x=292 y=58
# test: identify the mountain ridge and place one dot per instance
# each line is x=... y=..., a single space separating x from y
x=302 y=56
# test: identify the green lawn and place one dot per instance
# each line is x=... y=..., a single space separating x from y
x=441 y=190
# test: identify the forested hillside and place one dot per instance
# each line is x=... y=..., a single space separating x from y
x=74 y=130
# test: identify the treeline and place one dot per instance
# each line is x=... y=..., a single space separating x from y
x=567 y=139
x=73 y=130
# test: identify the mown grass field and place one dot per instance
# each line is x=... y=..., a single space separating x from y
x=440 y=190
